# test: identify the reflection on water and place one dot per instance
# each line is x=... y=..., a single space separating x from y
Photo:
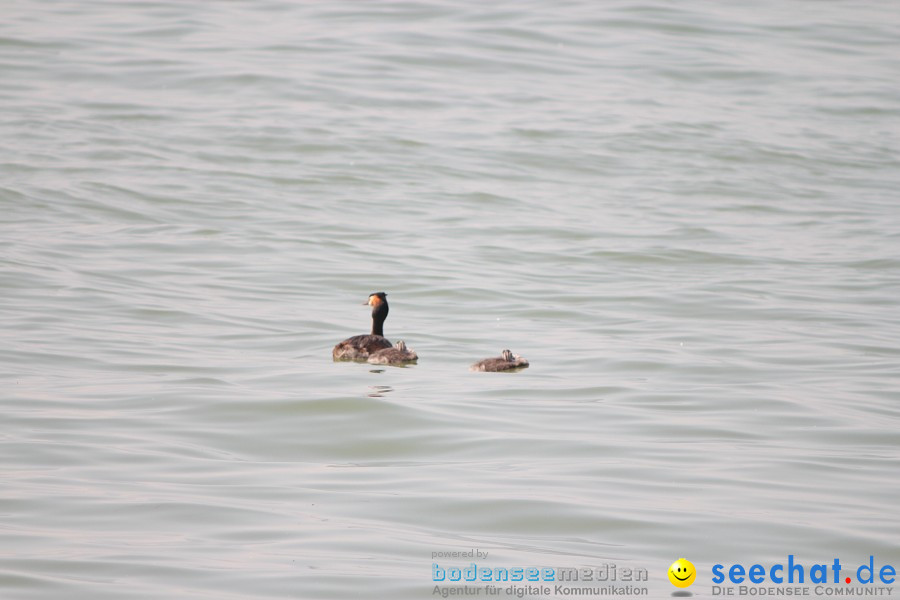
x=378 y=391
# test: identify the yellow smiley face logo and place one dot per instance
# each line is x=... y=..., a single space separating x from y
x=682 y=573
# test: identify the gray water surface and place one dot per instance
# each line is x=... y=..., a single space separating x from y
x=685 y=215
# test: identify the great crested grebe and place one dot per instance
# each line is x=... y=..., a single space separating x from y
x=359 y=347
x=505 y=362
x=398 y=355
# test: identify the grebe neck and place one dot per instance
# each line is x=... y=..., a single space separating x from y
x=379 y=314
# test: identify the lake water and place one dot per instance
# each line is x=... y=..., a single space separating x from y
x=684 y=214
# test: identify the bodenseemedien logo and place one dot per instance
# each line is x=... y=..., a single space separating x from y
x=479 y=579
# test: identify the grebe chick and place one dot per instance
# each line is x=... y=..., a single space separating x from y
x=398 y=355
x=359 y=347
x=505 y=362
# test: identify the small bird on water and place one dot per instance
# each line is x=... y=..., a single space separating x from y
x=398 y=355
x=507 y=361
x=360 y=347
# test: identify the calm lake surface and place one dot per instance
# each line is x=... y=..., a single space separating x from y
x=684 y=214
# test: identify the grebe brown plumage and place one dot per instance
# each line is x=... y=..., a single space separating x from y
x=505 y=362
x=398 y=355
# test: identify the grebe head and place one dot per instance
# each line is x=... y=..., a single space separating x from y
x=376 y=298
x=401 y=346
x=507 y=355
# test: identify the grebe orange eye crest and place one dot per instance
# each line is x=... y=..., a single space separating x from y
x=376 y=298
